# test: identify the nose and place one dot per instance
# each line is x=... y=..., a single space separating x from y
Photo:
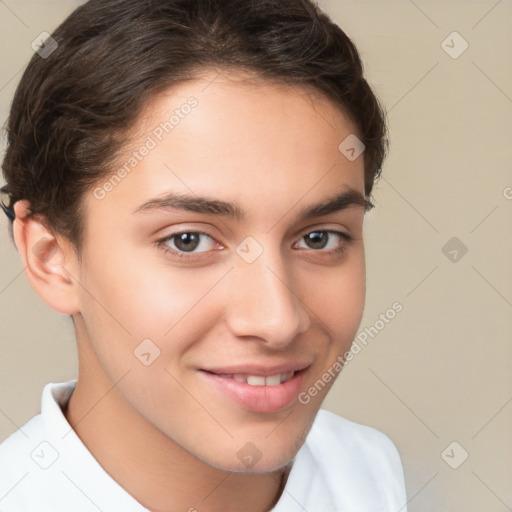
x=264 y=303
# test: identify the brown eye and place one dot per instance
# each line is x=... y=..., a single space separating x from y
x=188 y=242
x=326 y=239
x=317 y=239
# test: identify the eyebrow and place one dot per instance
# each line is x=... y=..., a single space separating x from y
x=207 y=205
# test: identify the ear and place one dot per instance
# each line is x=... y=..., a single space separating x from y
x=50 y=264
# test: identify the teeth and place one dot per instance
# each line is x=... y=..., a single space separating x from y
x=259 y=380
x=286 y=376
x=273 y=380
x=254 y=380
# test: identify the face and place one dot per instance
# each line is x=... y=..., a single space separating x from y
x=223 y=269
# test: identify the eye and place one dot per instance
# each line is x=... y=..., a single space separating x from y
x=326 y=240
x=187 y=242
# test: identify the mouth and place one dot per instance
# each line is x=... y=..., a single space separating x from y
x=262 y=390
x=260 y=380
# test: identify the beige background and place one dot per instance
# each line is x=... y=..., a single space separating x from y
x=440 y=371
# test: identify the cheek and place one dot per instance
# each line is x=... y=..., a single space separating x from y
x=337 y=302
x=128 y=299
x=143 y=319
x=335 y=297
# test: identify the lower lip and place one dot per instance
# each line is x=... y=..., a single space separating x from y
x=264 y=399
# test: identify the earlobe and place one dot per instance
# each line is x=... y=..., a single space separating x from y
x=48 y=264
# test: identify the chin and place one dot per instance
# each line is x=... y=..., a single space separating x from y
x=250 y=459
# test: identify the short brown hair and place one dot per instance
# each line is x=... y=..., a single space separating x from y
x=71 y=109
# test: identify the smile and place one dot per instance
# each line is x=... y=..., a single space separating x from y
x=260 y=380
x=258 y=390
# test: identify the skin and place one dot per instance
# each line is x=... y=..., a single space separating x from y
x=167 y=436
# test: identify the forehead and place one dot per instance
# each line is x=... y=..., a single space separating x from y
x=237 y=137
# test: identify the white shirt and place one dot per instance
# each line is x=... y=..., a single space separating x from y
x=342 y=467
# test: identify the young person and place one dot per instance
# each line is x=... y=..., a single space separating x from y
x=188 y=181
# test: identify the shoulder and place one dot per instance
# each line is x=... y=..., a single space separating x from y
x=27 y=455
x=17 y=446
x=331 y=429
x=44 y=465
x=18 y=456
x=359 y=454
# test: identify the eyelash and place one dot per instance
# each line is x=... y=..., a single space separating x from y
x=161 y=243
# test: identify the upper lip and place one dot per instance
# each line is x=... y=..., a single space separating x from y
x=264 y=370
